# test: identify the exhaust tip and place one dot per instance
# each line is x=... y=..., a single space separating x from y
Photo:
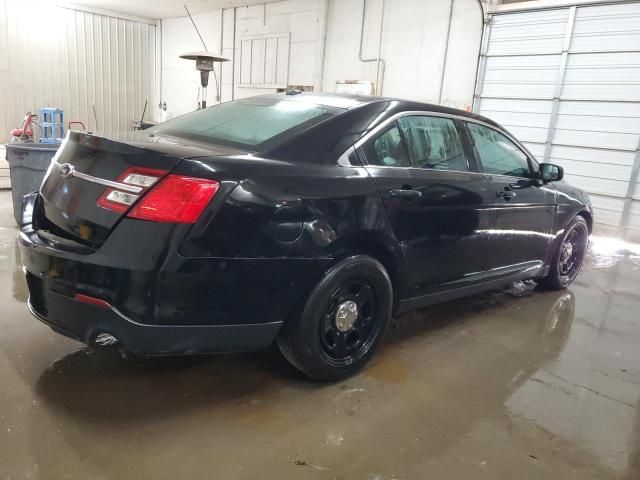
x=105 y=340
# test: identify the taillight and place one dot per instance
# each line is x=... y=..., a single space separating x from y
x=175 y=199
x=120 y=201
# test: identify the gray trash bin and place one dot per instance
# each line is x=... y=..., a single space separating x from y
x=28 y=162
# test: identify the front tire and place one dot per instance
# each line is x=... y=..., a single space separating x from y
x=569 y=255
x=342 y=321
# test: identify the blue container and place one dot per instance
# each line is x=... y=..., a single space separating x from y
x=52 y=123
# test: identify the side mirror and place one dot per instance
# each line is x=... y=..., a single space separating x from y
x=551 y=173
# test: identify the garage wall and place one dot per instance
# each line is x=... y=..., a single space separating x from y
x=414 y=47
x=73 y=60
x=302 y=23
x=302 y=20
x=567 y=82
x=180 y=79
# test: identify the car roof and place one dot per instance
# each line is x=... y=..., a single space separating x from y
x=338 y=100
x=349 y=101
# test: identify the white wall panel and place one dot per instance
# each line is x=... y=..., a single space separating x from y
x=634 y=218
x=414 y=42
x=595 y=170
x=603 y=157
x=264 y=60
x=298 y=27
x=76 y=61
x=522 y=119
x=528 y=134
x=588 y=105
x=603 y=216
x=536 y=149
x=535 y=32
x=600 y=186
x=5 y=180
x=4 y=38
x=603 y=76
x=462 y=59
x=601 y=109
x=607 y=203
x=528 y=120
x=180 y=79
x=508 y=105
x=607 y=28
x=605 y=140
x=523 y=77
x=595 y=123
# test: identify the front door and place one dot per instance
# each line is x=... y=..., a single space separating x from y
x=434 y=199
x=523 y=207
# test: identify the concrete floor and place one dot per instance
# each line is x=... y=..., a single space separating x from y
x=518 y=384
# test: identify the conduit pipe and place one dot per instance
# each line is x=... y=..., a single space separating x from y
x=380 y=63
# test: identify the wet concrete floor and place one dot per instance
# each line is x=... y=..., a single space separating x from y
x=520 y=384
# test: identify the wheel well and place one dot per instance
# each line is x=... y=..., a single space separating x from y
x=588 y=218
x=371 y=248
x=383 y=254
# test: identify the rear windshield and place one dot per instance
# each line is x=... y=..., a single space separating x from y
x=253 y=123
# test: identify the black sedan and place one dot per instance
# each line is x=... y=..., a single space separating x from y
x=306 y=219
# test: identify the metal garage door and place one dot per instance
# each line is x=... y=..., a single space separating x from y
x=566 y=81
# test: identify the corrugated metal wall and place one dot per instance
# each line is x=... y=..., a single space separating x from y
x=566 y=81
x=74 y=60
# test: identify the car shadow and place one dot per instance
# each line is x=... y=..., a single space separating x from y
x=100 y=385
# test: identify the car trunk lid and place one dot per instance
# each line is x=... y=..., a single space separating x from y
x=86 y=166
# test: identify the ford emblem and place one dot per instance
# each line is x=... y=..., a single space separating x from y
x=66 y=170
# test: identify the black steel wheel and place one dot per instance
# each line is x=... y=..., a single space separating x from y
x=349 y=320
x=342 y=321
x=569 y=256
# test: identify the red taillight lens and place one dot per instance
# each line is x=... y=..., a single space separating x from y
x=175 y=199
x=119 y=200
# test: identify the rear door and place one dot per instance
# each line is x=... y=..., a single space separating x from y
x=524 y=208
x=434 y=200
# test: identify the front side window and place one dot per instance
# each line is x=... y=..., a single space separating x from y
x=434 y=143
x=388 y=149
x=498 y=154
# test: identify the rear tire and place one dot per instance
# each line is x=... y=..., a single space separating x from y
x=342 y=321
x=569 y=255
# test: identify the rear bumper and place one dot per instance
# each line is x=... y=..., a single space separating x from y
x=160 y=303
x=83 y=322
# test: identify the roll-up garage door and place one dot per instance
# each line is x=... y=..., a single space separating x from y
x=566 y=81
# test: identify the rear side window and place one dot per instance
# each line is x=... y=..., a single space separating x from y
x=498 y=154
x=250 y=123
x=434 y=143
x=388 y=149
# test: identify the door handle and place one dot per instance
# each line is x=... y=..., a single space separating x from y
x=506 y=194
x=406 y=194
